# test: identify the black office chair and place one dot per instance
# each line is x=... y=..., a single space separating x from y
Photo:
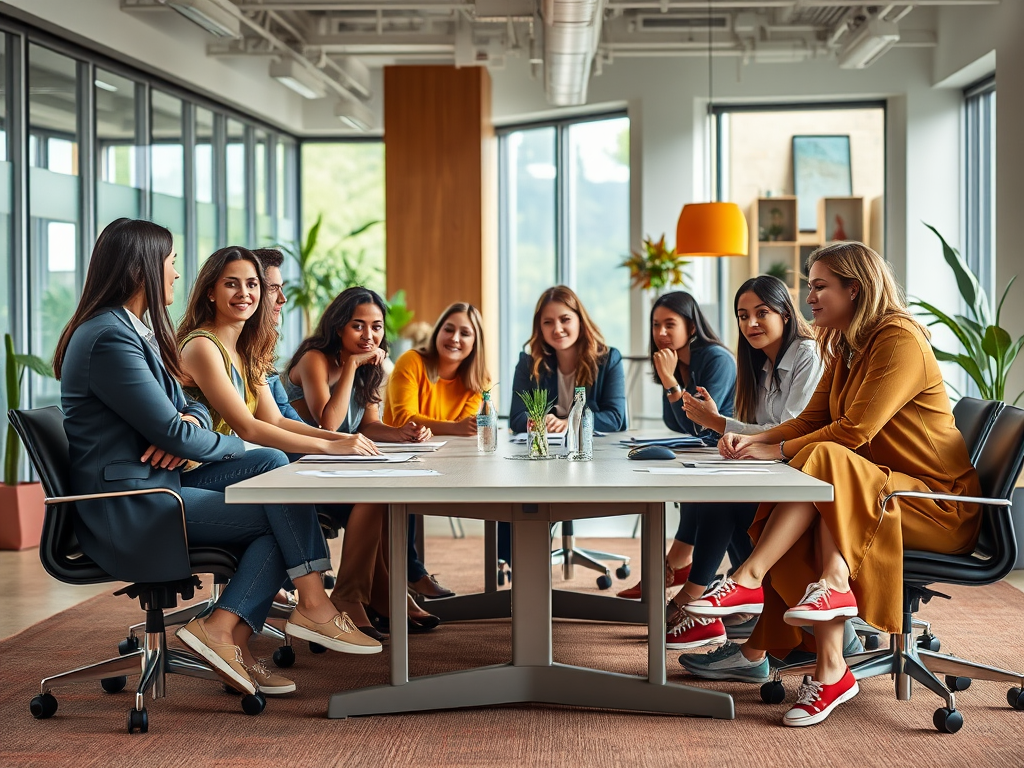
x=42 y=432
x=999 y=466
x=974 y=419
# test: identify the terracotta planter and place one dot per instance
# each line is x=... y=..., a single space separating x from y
x=21 y=515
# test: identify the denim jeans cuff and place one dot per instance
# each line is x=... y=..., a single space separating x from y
x=252 y=624
x=310 y=566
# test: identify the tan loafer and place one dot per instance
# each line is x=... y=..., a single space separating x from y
x=225 y=658
x=270 y=682
x=339 y=634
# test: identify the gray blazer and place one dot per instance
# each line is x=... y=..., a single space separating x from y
x=118 y=399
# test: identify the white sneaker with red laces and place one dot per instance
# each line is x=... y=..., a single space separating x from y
x=815 y=701
x=821 y=603
x=694 y=632
x=726 y=597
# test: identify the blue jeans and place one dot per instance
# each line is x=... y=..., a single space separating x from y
x=277 y=541
x=714 y=529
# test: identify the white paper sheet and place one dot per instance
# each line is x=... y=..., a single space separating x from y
x=704 y=471
x=368 y=472
x=388 y=458
x=735 y=464
x=426 y=447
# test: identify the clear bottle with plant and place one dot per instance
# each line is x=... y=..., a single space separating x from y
x=487 y=424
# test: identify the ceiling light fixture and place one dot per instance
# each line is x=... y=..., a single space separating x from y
x=218 y=17
x=868 y=42
x=291 y=75
x=354 y=114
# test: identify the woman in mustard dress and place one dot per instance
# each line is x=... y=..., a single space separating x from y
x=879 y=421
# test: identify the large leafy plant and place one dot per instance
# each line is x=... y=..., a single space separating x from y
x=657 y=266
x=399 y=316
x=14 y=372
x=989 y=350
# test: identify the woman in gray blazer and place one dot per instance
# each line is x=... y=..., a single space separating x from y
x=129 y=427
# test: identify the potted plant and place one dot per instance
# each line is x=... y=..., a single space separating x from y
x=399 y=316
x=988 y=349
x=656 y=267
x=537 y=407
x=21 y=503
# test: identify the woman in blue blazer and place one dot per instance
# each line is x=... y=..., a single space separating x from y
x=129 y=427
x=566 y=351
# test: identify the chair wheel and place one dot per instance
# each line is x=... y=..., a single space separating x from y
x=284 y=656
x=128 y=645
x=622 y=572
x=43 y=706
x=501 y=577
x=929 y=643
x=114 y=684
x=1014 y=697
x=604 y=581
x=254 y=703
x=871 y=643
x=773 y=692
x=317 y=648
x=955 y=683
x=138 y=720
x=947 y=721
x=329 y=580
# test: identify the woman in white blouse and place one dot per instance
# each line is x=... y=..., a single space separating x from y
x=777 y=370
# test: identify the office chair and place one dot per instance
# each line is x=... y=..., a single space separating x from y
x=569 y=555
x=974 y=419
x=999 y=466
x=42 y=432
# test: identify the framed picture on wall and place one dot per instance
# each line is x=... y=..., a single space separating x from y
x=821 y=168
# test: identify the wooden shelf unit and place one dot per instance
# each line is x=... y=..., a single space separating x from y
x=851 y=210
x=786 y=250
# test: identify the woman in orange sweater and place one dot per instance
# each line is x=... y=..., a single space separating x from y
x=879 y=421
x=439 y=386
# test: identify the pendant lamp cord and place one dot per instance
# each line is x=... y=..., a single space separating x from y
x=709 y=123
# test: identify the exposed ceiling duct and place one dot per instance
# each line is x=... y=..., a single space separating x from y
x=572 y=29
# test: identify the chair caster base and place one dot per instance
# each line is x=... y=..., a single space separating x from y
x=254 y=703
x=604 y=581
x=138 y=720
x=955 y=683
x=622 y=572
x=284 y=656
x=316 y=648
x=773 y=692
x=929 y=643
x=128 y=645
x=1014 y=697
x=947 y=720
x=43 y=706
x=114 y=684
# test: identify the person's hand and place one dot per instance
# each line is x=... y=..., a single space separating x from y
x=190 y=419
x=701 y=410
x=555 y=425
x=466 y=427
x=746 y=448
x=375 y=357
x=414 y=433
x=161 y=459
x=727 y=446
x=665 y=364
x=346 y=445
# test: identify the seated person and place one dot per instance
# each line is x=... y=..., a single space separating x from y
x=272 y=260
x=439 y=386
x=334 y=380
x=879 y=421
x=125 y=410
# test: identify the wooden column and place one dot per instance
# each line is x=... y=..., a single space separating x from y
x=441 y=192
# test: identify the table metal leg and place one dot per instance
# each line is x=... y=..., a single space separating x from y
x=490 y=556
x=653 y=574
x=398 y=641
x=531 y=594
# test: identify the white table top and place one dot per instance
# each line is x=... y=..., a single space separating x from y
x=471 y=477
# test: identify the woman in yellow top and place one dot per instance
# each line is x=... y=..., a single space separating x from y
x=440 y=387
x=879 y=421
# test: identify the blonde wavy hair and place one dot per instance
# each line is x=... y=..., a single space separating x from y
x=880 y=296
x=473 y=370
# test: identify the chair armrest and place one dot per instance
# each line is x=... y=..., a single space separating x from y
x=112 y=494
x=946 y=497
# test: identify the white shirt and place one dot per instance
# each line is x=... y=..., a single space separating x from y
x=799 y=371
x=566 y=393
x=141 y=328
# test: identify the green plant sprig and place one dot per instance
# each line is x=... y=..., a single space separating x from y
x=657 y=267
x=537 y=404
x=13 y=374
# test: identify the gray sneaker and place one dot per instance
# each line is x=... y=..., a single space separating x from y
x=726 y=663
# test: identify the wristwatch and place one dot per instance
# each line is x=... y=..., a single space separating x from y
x=673 y=390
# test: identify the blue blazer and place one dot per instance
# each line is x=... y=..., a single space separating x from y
x=714 y=368
x=606 y=397
x=118 y=399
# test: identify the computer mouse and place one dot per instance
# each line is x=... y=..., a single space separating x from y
x=644 y=452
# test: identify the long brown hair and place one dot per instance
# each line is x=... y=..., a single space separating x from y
x=259 y=334
x=472 y=370
x=880 y=296
x=774 y=294
x=129 y=254
x=326 y=339
x=590 y=346
x=684 y=305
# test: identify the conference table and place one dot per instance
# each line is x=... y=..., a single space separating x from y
x=531 y=495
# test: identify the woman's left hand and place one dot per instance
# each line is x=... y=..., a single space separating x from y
x=701 y=411
x=762 y=451
x=414 y=433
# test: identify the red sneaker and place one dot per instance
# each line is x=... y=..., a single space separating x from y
x=815 y=701
x=821 y=603
x=694 y=632
x=673 y=578
x=726 y=598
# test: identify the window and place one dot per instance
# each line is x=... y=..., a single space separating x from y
x=980 y=181
x=119 y=161
x=238 y=226
x=563 y=218
x=205 y=176
x=167 y=152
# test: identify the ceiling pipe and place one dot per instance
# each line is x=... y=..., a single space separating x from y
x=572 y=29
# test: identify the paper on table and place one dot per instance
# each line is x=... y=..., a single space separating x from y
x=732 y=464
x=704 y=471
x=390 y=458
x=368 y=472
x=410 y=447
x=676 y=442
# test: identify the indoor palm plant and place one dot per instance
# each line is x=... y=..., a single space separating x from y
x=21 y=503
x=989 y=350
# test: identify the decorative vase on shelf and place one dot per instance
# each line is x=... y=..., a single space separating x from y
x=840 y=231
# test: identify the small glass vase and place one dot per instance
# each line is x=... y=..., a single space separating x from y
x=539 y=442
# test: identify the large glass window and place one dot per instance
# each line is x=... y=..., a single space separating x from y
x=53 y=202
x=980 y=181
x=564 y=218
x=261 y=176
x=206 y=205
x=118 y=156
x=167 y=150
x=238 y=230
x=6 y=262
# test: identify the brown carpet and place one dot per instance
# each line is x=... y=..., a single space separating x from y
x=199 y=725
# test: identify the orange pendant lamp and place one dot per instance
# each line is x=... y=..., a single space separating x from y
x=711 y=229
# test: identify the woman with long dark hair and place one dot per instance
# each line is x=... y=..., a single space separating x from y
x=333 y=380
x=129 y=427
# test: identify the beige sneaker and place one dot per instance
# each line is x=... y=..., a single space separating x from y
x=338 y=634
x=225 y=658
x=270 y=682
